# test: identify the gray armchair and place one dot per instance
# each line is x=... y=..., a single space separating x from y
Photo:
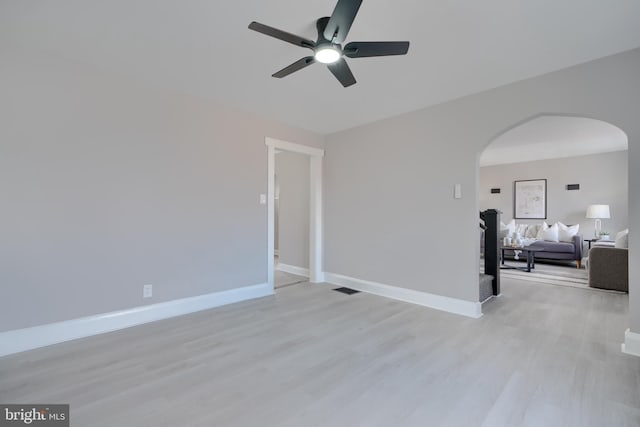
x=609 y=268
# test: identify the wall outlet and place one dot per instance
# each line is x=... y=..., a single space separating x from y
x=147 y=291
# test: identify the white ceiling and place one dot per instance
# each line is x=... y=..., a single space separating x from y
x=552 y=137
x=203 y=48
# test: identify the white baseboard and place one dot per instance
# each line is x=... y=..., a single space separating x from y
x=487 y=298
x=319 y=279
x=439 y=302
x=19 y=340
x=631 y=344
x=300 y=271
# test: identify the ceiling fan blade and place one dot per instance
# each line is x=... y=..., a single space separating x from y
x=282 y=35
x=365 y=49
x=341 y=70
x=298 y=65
x=341 y=19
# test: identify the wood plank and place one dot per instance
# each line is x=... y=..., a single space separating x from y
x=541 y=355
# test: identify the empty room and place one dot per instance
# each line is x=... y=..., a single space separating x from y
x=319 y=213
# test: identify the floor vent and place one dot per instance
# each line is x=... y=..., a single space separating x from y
x=347 y=291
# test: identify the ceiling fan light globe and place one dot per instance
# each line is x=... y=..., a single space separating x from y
x=327 y=55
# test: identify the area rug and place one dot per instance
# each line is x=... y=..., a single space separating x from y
x=551 y=274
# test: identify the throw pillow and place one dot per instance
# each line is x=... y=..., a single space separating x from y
x=566 y=232
x=543 y=226
x=549 y=234
x=521 y=229
x=622 y=239
x=532 y=231
x=506 y=230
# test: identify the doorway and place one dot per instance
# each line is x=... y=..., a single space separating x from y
x=291 y=219
x=543 y=174
x=315 y=158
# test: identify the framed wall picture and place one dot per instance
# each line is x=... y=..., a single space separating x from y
x=530 y=199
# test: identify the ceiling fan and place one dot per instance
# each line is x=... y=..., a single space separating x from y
x=332 y=31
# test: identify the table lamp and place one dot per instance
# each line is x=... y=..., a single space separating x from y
x=598 y=212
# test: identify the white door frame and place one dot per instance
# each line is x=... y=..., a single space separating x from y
x=316 y=243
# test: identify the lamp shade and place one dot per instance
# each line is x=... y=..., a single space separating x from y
x=598 y=211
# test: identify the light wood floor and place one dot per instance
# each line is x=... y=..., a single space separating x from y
x=282 y=279
x=541 y=356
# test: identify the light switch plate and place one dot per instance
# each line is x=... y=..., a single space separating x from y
x=457 y=191
x=263 y=199
x=147 y=291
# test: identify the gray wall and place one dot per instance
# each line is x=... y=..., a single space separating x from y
x=106 y=186
x=390 y=215
x=292 y=171
x=603 y=179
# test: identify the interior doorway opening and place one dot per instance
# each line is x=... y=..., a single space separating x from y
x=315 y=158
x=291 y=223
x=544 y=175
